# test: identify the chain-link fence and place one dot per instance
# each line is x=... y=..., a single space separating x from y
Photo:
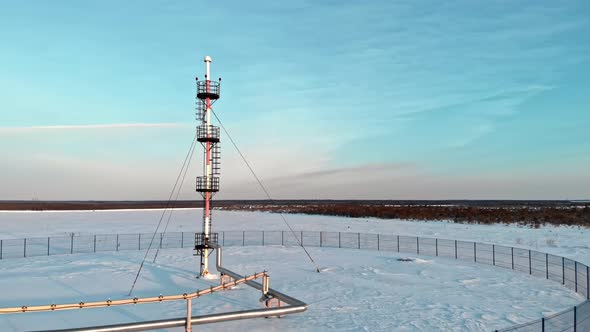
x=572 y=274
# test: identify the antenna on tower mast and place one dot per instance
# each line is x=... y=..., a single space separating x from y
x=208 y=184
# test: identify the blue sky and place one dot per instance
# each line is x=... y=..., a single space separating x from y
x=328 y=99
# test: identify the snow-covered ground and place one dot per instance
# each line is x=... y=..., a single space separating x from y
x=572 y=242
x=357 y=290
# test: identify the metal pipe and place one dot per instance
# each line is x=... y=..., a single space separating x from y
x=295 y=306
x=129 y=327
x=189 y=313
x=112 y=303
x=182 y=322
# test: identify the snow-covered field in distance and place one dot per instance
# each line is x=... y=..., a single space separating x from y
x=357 y=290
x=571 y=242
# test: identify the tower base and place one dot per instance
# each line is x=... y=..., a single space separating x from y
x=204 y=246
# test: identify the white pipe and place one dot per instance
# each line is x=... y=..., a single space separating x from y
x=207 y=119
x=208 y=61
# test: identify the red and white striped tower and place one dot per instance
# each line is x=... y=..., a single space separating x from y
x=208 y=184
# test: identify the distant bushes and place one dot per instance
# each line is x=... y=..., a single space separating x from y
x=532 y=216
x=532 y=213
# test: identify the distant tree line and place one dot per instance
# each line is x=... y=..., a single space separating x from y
x=533 y=213
x=526 y=215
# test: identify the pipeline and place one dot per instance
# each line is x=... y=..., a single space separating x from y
x=293 y=306
x=111 y=303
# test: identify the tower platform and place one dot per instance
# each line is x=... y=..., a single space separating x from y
x=208 y=90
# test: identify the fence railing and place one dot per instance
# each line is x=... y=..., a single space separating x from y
x=571 y=274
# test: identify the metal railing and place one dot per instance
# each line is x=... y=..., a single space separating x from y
x=208 y=133
x=208 y=89
x=573 y=275
x=207 y=184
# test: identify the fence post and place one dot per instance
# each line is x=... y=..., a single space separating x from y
x=436 y=246
x=95 y=242
x=223 y=238
x=543 y=324
x=321 y=239
x=398 y=243
x=587 y=283
x=263 y=238
x=243 y=238
x=48 y=245
x=117 y=244
x=378 y=243
x=358 y=240
x=512 y=255
x=1 y=249
x=138 y=242
x=562 y=270
x=456 y=256
x=282 y=238
x=181 y=239
x=475 y=252
x=417 y=245
x=302 y=238
x=547 y=266
x=493 y=254
x=576 y=275
x=575 y=318
x=339 y=240
x=72 y=244
x=25 y=247
x=530 y=265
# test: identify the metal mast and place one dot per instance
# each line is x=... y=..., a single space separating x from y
x=208 y=184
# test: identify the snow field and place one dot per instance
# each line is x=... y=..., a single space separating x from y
x=357 y=289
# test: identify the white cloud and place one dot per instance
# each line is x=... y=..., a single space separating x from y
x=90 y=126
